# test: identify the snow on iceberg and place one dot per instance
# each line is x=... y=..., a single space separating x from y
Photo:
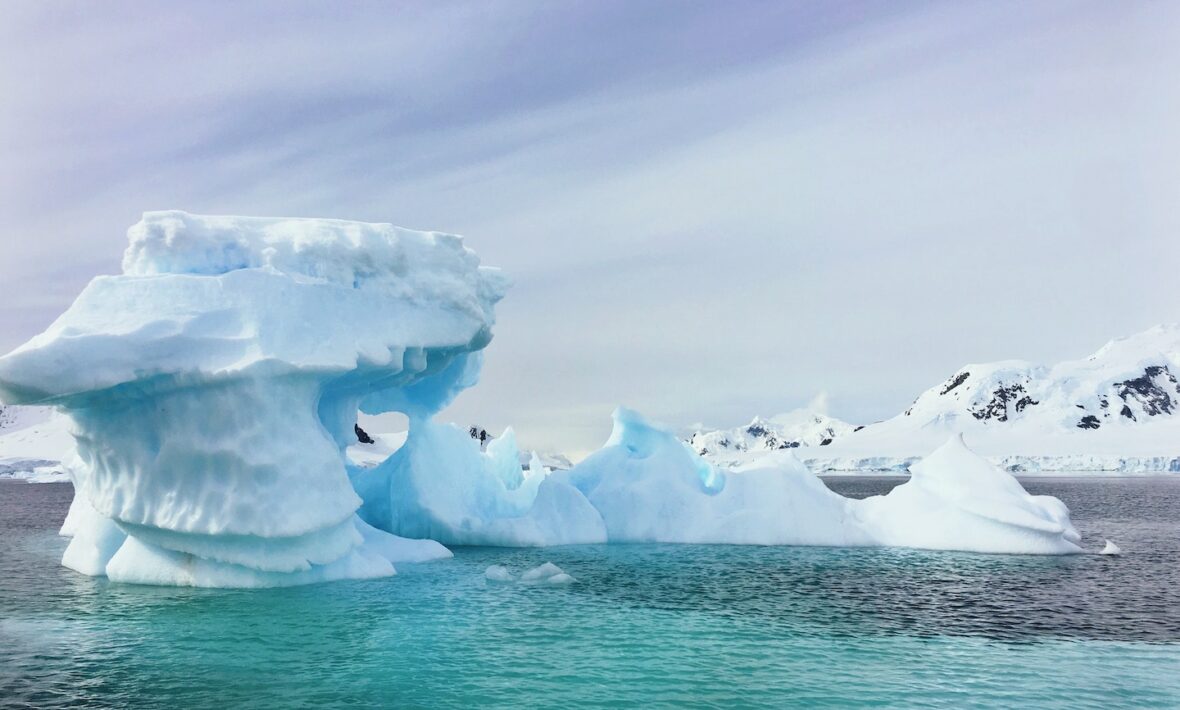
x=439 y=485
x=214 y=385
x=651 y=487
x=957 y=500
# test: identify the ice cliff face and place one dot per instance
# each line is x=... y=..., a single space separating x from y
x=214 y=385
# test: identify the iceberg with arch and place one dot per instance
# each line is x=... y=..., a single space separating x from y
x=213 y=388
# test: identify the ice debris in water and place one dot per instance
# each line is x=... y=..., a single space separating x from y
x=498 y=573
x=545 y=574
x=1111 y=549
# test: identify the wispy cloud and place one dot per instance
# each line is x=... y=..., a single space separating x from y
x=711 y=210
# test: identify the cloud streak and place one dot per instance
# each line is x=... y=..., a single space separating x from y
x=710 y=211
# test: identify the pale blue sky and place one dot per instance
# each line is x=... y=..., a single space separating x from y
x=710 y=210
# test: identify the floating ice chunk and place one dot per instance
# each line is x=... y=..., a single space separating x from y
x=543 y=571
x=957 y=500
x=1111 y=549
x=650 y=487
x=542 y=574
x=498 y=573
x=214 y=386
x=547 y=573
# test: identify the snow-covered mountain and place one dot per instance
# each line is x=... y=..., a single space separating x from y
x=1117 y=409
x=33 y=443
x=784 y=431
x=1127 y=381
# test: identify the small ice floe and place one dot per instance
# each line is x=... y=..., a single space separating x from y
x=498 y=573
x=1111 y=549
x=546 y=574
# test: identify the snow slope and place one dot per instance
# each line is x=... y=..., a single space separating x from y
x=1116 y=410
x=785 y=431
x=34 y=443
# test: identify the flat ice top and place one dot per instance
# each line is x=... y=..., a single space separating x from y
x=353 y=254
x=217 y=295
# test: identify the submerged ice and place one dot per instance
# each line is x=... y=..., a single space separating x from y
x=214 y=386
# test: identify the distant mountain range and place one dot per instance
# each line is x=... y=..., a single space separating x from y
x=1117 y=410
x=784 y=431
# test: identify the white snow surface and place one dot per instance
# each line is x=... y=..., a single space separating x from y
x=650 y=487
x=1117 y=410
x=791 y=430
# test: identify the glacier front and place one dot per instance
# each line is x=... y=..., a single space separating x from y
x=213 y=389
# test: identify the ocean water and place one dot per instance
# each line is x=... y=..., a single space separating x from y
x=644 y=625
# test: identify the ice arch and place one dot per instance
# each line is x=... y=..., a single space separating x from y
x=214 y=384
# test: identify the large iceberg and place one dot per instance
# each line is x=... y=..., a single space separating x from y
x=214 y=386
x=213 y=389
x=645 y=485
x=651 y=487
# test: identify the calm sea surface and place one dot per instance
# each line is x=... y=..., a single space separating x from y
x=645 y=625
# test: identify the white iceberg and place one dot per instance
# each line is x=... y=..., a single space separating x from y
x=213 y=391
x=651 y=487
x=439 y=485
x=957 y=500
x=214 y=386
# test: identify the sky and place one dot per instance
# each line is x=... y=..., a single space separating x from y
x=710 y=210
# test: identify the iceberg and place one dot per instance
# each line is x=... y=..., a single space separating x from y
x=213 y=388
x=649 y=486
x=212 y=391
x=439 y=485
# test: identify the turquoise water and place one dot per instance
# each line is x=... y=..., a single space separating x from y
x=644 y=625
